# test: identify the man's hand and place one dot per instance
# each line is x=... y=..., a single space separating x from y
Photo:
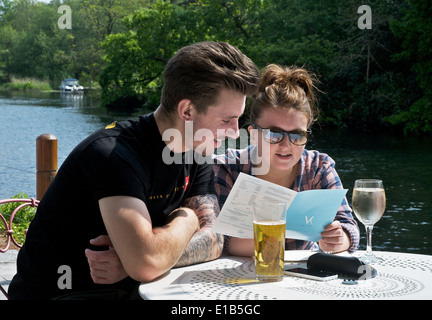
x=105 y=266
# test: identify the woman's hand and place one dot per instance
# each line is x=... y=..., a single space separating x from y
x=334 y=238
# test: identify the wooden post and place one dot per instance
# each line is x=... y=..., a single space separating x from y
x=46 y=162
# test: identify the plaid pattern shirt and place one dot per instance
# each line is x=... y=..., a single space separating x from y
x=316 y=171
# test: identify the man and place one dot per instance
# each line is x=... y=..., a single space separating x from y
x=116 y=183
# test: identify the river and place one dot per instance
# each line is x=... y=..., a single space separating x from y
x=402 y=163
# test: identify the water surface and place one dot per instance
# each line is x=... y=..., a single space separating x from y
x=402 y=163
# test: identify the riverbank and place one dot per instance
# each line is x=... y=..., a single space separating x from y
x=36 y=85
x=26 y=84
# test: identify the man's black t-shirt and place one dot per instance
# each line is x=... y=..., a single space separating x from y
x=125 y=158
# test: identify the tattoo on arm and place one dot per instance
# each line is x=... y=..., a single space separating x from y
x=205 y=245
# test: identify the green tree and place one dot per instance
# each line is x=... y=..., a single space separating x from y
x=415 y=29
x=7 y=35
x=5 y=9
x=32 y=42
x=135 y=59
x=357 y=84
x=97 y=19
x=371 y=78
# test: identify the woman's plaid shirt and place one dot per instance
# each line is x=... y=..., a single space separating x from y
x=316 y=171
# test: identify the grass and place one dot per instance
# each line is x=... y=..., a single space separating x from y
x=27 y=84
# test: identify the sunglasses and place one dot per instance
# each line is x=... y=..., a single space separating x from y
x=297 y=137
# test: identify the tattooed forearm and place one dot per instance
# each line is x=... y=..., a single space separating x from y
x=206 y=208
x=205 y=245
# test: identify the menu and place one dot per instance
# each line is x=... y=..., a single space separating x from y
x=307 y=214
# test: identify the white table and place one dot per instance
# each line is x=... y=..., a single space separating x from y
x=400 y=276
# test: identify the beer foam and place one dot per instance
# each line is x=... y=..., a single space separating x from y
x=270 y=222
x=369 y=189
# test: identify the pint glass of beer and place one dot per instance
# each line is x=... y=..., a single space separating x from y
x=269 y=239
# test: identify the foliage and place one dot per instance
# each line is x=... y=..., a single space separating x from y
x=135 y=59
x=416 y=120
x=371 y=79
x=415 y=29
x=21 y=220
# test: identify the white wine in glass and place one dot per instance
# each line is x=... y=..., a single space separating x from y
x=369 y=202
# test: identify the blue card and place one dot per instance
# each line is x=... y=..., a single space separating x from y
x=311 y=211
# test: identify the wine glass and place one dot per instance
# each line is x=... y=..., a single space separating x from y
x=369 y=202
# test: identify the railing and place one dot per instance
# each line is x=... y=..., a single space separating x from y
x=8 y=226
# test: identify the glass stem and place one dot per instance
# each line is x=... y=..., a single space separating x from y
x=369 y=239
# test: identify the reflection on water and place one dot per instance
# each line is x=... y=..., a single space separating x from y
x=71 y=118
x=403 y=164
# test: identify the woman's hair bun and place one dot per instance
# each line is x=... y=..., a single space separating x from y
x=287 y=87
x=288 y=78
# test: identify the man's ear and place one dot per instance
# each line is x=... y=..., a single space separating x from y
x=186 y=110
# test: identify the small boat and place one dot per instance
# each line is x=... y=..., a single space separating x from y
x=71 y=85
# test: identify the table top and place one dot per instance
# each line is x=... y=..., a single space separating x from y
x=399 y=276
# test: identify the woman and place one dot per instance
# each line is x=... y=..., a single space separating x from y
x=281 y=116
